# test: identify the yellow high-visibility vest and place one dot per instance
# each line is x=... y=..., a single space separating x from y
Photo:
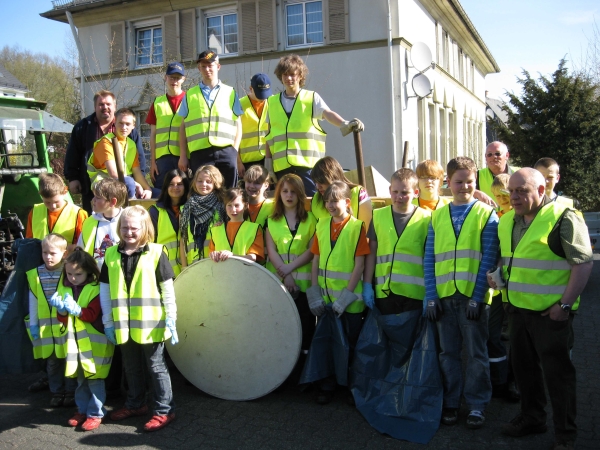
x=167 y=236
x=65 y=224
x=242 y=242
x=254 y=131
x=317 y=205
x=128 y=154
x=167 y=128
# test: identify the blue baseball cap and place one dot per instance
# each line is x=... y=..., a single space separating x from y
x=261 y=85
x=175 y=67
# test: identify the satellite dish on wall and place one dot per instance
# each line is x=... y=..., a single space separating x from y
x=420 y=57
x=421 y=85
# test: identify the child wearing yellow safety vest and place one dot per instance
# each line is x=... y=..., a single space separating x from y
x=339 y=249
x=88 y=351
x=139 y=313
x=256 y=183
x=288 y=238
x=47 y=334
x=431 y=178
x=165 y=214
x=239 y=236
x=462 y=245
x=254 y=124
x=204 y=209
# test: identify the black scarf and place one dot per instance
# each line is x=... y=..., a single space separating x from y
x=198 y=216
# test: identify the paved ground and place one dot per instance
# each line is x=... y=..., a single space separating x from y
x=290 y=419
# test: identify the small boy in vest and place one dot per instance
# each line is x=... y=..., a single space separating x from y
x=47 y=334
x=100 y=229
x=102 y=163
x=462 y=245
x=296 y=140
x=397 y=237
x=55 y=214
x=254 y=124
x=164 y=125
x=551 y=171
x=211 y=130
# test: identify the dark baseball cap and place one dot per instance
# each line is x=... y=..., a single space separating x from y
x=261 y=85
x=207 y=56
x=175 y=67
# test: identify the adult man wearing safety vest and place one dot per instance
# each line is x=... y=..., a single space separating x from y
x=296 y=141
x=254 y=124
x=496 y=158
x=211 y=130
x=546 y=261
x=164 y=125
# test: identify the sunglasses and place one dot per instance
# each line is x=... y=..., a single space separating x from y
x=497 y=155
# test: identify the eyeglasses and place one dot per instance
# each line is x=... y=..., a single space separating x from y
x=429 y=178
x=496 y=154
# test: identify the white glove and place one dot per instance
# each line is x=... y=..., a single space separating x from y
x=315 y=301
x=269 y=167
x=352 y=125
x=342 y=302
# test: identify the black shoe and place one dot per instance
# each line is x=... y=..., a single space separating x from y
x=521 y=426
x=499 y=390
x=324 y=397
x=512 y=393
x=39 y=385
x=449 y=416
x=475 y=419
x=69 y=399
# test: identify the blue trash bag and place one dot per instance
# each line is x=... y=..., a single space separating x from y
x=329 y=351
x=395 y=375
x=16 y=350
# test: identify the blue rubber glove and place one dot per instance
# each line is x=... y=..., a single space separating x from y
x=473 y=310
x=71 y=306
x=56 y=302
x=35 y=332
x=110 y=334
x=434 y=309
x=171 y=326
x=368 y=295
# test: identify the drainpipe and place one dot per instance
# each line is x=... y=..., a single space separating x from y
x=392 y=84
x=81 y=60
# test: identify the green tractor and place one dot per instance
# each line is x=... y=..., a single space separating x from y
x=23 y=157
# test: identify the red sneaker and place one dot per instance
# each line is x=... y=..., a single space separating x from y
x=124 y=413
x=77 y=420
x=158 y=422
x=91 y=423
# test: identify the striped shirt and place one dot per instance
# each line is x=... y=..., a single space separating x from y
x=49 y=279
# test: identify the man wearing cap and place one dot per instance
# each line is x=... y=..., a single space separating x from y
x=254 y=125
x=164 y=125
x=211 y=130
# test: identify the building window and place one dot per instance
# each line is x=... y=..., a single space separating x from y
x=149 y=49
x=304 y=23
x=222 y=33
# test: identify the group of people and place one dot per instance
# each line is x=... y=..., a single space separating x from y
x=453 y=259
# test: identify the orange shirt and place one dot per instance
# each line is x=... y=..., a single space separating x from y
x=259 y=105
x=428 y=204
x=103 y=151
x=253 y=210
x=53 y=217
x=257 y=248
x=361 y=249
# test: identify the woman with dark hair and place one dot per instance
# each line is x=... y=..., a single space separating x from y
x=165 y=214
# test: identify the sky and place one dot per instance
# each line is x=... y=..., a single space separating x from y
x=521 y=34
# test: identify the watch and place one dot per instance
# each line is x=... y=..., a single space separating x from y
x=565 y=306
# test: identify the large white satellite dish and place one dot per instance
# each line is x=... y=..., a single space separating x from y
x=420 y=56
x=421 y=85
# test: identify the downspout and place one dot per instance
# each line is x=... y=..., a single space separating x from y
x=81 y=60
x=392 y=85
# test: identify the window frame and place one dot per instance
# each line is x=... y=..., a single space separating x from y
x=153 y=56
x=304 y=24
x=221 y=13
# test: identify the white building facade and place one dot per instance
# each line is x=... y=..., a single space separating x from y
x=358 y=53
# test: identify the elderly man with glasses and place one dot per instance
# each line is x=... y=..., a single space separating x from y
x=496 y=158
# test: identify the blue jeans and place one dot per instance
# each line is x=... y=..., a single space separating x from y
x=454 y=329
x=90 y=395
x=152 y=355
x=58 y=383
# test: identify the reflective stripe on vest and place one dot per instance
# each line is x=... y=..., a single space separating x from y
x=457 y=260
x=65 y=224
x=243 y=240
x=53 y=334
x=298 y=140
x=254 y=132
x=536 y=278
x=317 y=205
x=399 y=262
x=88 y=234
x=336 y=265
x=204 y=126
x=137 y=313
x=167 y=128
x=128 y=155
x=167 y=236
x=291 y=247
x=85 y=345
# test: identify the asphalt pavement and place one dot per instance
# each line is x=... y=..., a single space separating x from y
x=290 y=419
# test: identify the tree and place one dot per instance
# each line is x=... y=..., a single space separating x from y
x=558 y=117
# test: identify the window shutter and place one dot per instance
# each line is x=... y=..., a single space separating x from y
x=337 y=18
x=170 y=37
x=187 y=36
x=266 y=26
x=247 y=26
x=117 y=46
